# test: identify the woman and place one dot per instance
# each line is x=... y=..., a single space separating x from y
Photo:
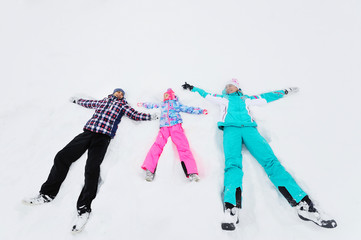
x=239 y=128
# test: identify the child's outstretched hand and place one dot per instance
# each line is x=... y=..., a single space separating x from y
x=186 y=86
x=205 y=112
x=140 y=104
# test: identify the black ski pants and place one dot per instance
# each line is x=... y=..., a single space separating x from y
x=97 y=145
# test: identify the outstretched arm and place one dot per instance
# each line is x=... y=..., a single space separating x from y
x=215 y=98
x=86 y=103
x=270 y=96
x=148 y=105
x=193 y=110
x=137 y=116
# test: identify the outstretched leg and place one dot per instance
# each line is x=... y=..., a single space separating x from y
x=97 y=149
x=151 y=161
x=233 y=172
x=185 y=154
x=63 y=159
x=262 y=151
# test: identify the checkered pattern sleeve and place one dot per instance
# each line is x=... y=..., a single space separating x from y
x=135 y=115
x=89 y=103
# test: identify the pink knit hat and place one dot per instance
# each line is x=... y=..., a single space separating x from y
x=170 y=93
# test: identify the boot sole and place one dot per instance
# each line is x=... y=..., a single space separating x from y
x=327 y=223
x=228 y=226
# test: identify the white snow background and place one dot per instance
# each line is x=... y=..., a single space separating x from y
x=51 y=50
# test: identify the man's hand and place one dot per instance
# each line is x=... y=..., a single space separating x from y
x=74 y=99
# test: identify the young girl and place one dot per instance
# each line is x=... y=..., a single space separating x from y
x=239 y=127
x=171 y=126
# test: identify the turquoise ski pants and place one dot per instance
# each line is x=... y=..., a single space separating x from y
x=233 y=138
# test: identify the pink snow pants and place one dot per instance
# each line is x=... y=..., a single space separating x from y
x=178 y=137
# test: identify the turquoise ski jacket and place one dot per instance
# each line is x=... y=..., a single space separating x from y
x=235 y=107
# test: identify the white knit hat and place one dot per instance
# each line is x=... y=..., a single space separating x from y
x=234 y=82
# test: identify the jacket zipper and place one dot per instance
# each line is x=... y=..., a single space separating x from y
x=168 y=114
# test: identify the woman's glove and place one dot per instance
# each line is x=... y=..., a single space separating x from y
x=186 y=86
x=291 y=90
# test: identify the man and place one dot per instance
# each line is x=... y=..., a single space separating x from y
x=239 y=128
x=98 y=132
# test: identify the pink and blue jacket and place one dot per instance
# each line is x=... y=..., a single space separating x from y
x=170 y=111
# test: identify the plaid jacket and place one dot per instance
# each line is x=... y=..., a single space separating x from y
x=108 y=113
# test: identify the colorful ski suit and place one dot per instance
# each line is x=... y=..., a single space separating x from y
x=239 y=128
x=171 y=126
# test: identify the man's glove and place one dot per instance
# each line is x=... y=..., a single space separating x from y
x=291 y=90
x=74 y=99
x=205 y=111
x=186 y=86
x=154 y=116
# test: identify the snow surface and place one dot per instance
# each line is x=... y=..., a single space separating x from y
x=51 y=50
